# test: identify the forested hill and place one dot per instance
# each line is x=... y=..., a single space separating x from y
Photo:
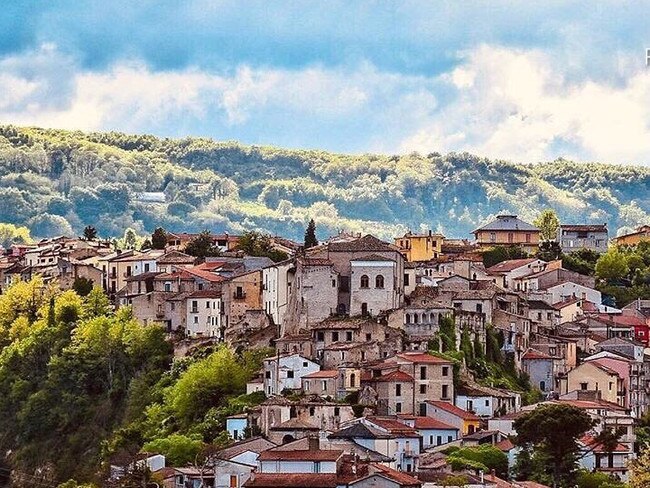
x=56 y=182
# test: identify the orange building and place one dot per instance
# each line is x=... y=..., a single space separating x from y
x=508 y=230
x=641 y=234
x=420 y=247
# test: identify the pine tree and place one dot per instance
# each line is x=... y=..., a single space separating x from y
x=90 y=233
x=310 y=235
x=159 y=238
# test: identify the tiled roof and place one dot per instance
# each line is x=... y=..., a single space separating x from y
x=367 y=243
x=254 y=444
x=454 y=410
x=373 y=257
x=295 y=424
x=394 y=426
x=531 y=354
x=205 y=294
x=399 y=477
x=431 y=423
x=505 y=445
x=508 y=222
x=592 y=443
x=308 y=261
x=175 y=257
x=292 y=480
x=509 y=265
x=327 y=373
x=539 y=305
x=302 y=455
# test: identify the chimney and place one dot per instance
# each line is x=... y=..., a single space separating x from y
x=314 y=443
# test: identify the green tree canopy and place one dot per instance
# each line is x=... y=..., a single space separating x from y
x=548 y=224
x=612 y=266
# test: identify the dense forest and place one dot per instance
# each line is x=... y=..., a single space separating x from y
x=56 y=182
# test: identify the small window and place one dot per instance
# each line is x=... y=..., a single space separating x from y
x=398 y=390
x=487 y=403
x=406 y=279
x=445 y=391
x=445 y=371
x=348 y=336
x=379 y=281
x=305 y=364
x=365 y=281
x=268 y=375
x=335 y=336
x=320 y=336
x=423 y=389
x=438 y=440
x=583 y=386
x=290 y=373
x=368 y=337
x=337 y=411
x=423 y=372
x=398 y=407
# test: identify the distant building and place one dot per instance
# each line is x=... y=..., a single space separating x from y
x=585 y=236
x=420 y=247
x=508 y=230
x=633 y=238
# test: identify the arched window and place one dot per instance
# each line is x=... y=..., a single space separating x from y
x=432 y=317
x=353 y=380
x=408 y=318
x=415 y=318
x=365 y=282
x=379 y=281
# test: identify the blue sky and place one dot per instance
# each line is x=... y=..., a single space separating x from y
x=525 y=81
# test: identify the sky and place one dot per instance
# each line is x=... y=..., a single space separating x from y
x=522 y=81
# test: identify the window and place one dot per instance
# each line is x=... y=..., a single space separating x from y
x=379 y=281
x=146 y=267
x=195 y=306
x=312 y=411
x=196 y=319
x=336 y=411
x=423 y=372
x=398 y=390
x=423 y=389
x=449 y=438
x=406 y=279
x=335 y=336
x=583 y=386
x=324 y=385
x=487 y=403
x=353 y=380
x=445 y=391
x=268 y=375
x=365 y=282
x=438 y=440
x=168 y=286
x=290 y=373
x=430 y=439
x=368 y=337
x=364 y=308
x=348 y=336
x=510 y=237
x=407 y=318
x=398 y=407
x=233 y=481
x=207 y=304
x=527 y=237
x=316 y=466
x=445 y=371
x=493 y=237
x=320 y=336
x=479 y=307
x=305 y=364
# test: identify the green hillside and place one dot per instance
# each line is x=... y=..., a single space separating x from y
x=56 y=181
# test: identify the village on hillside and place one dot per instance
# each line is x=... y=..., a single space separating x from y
x=409 y=363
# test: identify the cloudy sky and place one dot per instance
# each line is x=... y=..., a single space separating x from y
x=525 y=81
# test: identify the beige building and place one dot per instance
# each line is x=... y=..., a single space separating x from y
x=508 y=230
x=591 y=376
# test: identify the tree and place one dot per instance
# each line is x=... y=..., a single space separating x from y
x=612 y=266
x=549 y=251
x=640 y=470
x=90 y=233
x=82 y=286
x=159 y=238
x=310 y=235
x=13 y=234
x=485 y=457
x=202 y=246
x=255 y=243
x=553 y=430
x=179 y=450
x=548 y=224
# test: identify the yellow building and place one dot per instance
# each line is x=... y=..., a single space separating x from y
x=420 y=247
x=592 y=376
x=508 y=230
x=641 y=234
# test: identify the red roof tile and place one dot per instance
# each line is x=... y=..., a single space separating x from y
x=327 y=373
x=535 y=354
x=431 y=423
x=422 y=357
x=394 y=376
x=302 y=455
x=292 y=480
x=453 y=409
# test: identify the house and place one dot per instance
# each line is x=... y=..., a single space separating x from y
x=593 y=376
x=395 y=392
x=286 y=373
x=487 y=402
x=540 y=368
x=641 y=234
x=543 y=316
x=178 y=241
x=322 y=383
x=566 y=290
x=387 y=436
x=420 y=247
x=173 y=260
x=121 y=265
x=276 y=288
x=381 y=263
x=433 y=431
x=466 y=422
x=507 y=230
x=583 y=236
x=433 y=377
x=598 y=458
x=245 y=451
x=511 y=269
x=236 y=426
x=204 y=310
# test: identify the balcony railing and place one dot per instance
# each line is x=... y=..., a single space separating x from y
x=239 y=295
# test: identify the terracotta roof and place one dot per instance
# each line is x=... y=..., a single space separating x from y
x=431 y=423
x=366 y=243
x=176 y=257
x=327 y=373
x=454 y=410
x=422 y=357
x=591 y=442
x=206 y=275
x=505 y=445
x=394 y=426
x=509 y=265
x=302 y=455
x=399 y=477
x=205 y=294
x=292 y=480
x=535 y=354
x=565 y=303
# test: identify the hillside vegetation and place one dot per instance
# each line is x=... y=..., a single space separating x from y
x=56 y=181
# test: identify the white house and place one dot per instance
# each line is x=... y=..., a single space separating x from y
x=286 y=372
x=204 y=315
x=236 y=426
x=433 y=431
x=568 y=289
x=487 y=402
x=276 y=287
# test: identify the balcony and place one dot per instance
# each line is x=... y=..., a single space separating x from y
x=410 y=453
x=194 y=310
x=239 y=295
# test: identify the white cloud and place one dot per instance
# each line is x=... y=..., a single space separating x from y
x=517 y=105
x=495 y=102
